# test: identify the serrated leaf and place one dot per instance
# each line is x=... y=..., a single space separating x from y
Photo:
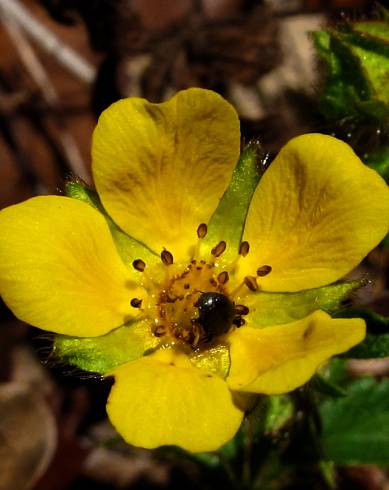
x=345 y=84
x=356 y=57
x=355 y=429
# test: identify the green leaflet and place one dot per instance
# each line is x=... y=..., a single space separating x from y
x=268 y=309
x=102 y=354
x=129 y=249
x=355 y=429
x=227 y=222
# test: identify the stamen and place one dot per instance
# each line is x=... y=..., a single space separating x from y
x=264 y=270
x=223 y=277
x=202 y=230
x=239 y=322
x=136 y=302
x=241 y=310
x=219 y=249
x=251 y=283
x=244 y=249
x=166 y=257
x=158 y=330
x=139 y=265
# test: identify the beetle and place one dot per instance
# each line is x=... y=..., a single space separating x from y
x=216 y=313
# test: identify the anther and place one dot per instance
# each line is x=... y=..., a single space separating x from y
x=251 y=283
x=244 y=249
x=264 y=270
x=223 y=277
x=139 y=265
x=241 y=310
x=219 y=249
x=158 y=330
x=239 y=322
x=166 y=257
x=202 y=230
x=136 y=302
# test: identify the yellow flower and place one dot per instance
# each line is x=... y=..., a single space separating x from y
x=181 y=292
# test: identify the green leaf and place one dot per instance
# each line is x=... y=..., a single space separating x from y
x=374 y=346
x=355 y=429
x=277 y=308
x=345 y=85
x=102 y=354
x=376 y=343
x=129 y=249
x=377 y=29
x=356 y=58
x=234 y=204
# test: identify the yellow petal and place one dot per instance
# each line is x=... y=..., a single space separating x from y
x=160 y=169
x=162 y=399
x=316 y=213
x=59 y=269
x=278 y=359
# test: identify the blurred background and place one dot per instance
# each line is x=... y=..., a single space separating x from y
x=62 y=62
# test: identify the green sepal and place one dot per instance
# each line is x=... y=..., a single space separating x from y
x=376 y=342
x=128 y=248
x=104 y=353
x=227 y=222
x=355 y=429
x=267 y=309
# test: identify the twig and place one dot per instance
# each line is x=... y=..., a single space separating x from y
x=49 y=41
x=48 y=91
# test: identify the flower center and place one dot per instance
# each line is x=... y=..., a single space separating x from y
x=193 y=305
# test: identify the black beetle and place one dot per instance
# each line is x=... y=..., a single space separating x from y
x=216 y=313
